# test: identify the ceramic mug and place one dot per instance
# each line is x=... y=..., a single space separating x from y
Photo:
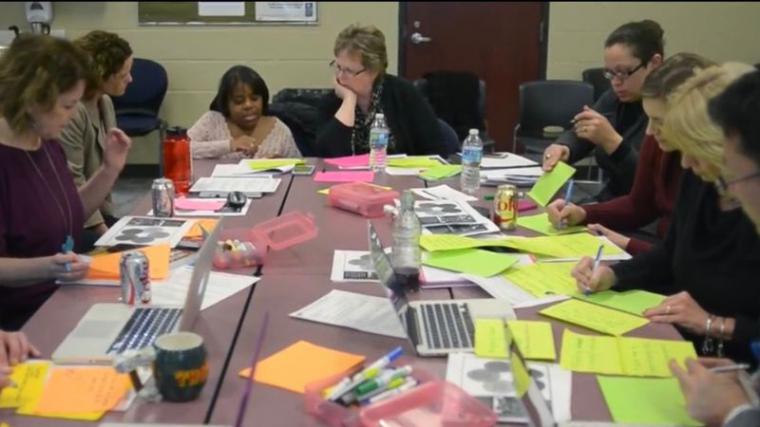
x=180 y=367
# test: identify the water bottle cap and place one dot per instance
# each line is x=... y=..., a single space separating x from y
x=474 y=132
x=379 y=115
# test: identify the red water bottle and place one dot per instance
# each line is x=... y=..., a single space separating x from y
x=177 y=159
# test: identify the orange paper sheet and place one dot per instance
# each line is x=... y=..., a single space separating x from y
x=78 y=390
x=196 y=232
x=106 y=266
x=302 y=363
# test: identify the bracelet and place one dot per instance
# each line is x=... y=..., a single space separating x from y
x=707 y=344
x=720 y=336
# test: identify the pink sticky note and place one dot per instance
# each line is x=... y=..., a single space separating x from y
x=349 y=161
x=525 y=205
x=345 y=176
x=198 y=204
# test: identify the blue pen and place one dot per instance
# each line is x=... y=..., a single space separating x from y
x=66 y=247
x=367 y=373
x=597 y=259
x=568 y=196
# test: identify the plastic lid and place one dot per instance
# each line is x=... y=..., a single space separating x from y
x=176 y=131
x=285 y=231
x=474 y=131
x=380 y=115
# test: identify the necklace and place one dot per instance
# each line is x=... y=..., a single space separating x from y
x=68 y=219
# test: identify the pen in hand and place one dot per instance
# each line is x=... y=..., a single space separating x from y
x=67 y=247
x=597 y=259
x=568 y=196
x=730 y=368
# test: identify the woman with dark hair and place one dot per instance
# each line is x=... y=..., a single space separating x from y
x=84 y=137
x=614 y=127
x=238 y=125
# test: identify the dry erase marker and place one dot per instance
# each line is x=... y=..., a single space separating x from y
x=370 y=372
x=408 y=385
x=730 y=368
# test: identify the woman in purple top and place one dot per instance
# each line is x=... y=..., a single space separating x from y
x=41 y=211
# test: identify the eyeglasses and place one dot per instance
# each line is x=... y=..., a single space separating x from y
x=622 y=75
x=337 y=69
x=724 y=185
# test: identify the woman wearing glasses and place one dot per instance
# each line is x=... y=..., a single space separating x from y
x=614 y=127
x=708 y=260
x=362 y=89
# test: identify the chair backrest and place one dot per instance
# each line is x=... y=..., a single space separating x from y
x=309 y=96
x=595 y=77
x=552 y=103
x=449 y=138
x=459 y=98
x=147 y=90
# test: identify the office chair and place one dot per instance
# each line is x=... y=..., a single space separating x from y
x=595 y=77
x=137 y=110
x=449 y=138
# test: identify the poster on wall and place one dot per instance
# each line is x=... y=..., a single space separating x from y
x=286 y=11
x=221 y=8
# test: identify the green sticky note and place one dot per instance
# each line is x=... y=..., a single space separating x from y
x=264 y=164
x=565 y=246
x=634 y=301
x=414 y=162
x=491 y=338
x=441 y=172
x=447 y=242
x=534 y=339
x=594 y=317
x=471 y=261
x=544 y=278
x=549 y=183
x=540 y=224
x=647 y=401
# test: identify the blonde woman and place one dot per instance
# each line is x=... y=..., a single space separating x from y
x=363 y=89
x=709 y=257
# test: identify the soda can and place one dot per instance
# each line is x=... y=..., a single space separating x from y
x=162 y=192
x=505 y=207
x=134 y=274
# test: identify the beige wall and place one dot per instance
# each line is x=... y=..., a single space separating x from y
x=718 y=30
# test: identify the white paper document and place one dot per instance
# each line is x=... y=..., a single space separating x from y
x=305 y=11
x=221 y=8
x=443 y=192
x=451 y=217
x=501 y=288
x=507 y=161
x=365 y=313
x=353 y=266
x=238 y=171
x=145 y=231
x=173 y=291
x=252 y=185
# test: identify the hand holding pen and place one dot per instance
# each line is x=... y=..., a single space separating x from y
x=591 y=276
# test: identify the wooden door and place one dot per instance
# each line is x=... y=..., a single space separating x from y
x=504 y=43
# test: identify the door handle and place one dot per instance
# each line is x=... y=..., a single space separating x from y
x=418 y=38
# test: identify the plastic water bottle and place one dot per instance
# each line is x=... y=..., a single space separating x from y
x=405 y=257
x=378 y=143
x=472 y=152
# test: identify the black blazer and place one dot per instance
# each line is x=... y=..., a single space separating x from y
x=409 y=116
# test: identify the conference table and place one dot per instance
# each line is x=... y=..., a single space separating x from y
x=290 y=279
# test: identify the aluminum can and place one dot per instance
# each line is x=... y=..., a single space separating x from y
x=134 y=275
x=505 y=207
x=162 y=192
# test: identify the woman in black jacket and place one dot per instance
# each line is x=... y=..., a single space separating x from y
x=362 y=89
x=614 y=127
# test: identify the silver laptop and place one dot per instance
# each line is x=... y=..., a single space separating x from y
x=435 y=328
x=108 y=329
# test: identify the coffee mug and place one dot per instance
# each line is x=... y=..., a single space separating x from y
x=180 y=367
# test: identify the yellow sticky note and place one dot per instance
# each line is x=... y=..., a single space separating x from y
x=491 y=339
x=565 y=246
x=595 y=317
x=263 y=164
x=471 y=261
x=448 y=242
x=542 y=279
x=540 y=224
x=30 y=379
x=414 y=162
x=79 y=393
x=302 y=363
x=534 y=339
x=440 y=172
x=520 y=375
x=639 y=357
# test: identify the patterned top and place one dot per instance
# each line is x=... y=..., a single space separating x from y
x=210 y=138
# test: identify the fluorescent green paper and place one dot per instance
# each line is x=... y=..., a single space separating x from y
x=549 y=183
x=264 y=164
x=566 y=246
x=520 y=374
x=645 y=400
x=471 y=261
x=540 y=224
x=542 y=279
x=594 y=317
x=634 y=301
x=635 y=357
x=447 y=242
x=413 y=162
x=491 y=338
x=440 y=172
x=534 y=339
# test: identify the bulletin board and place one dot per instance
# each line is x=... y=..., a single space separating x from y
x=227 y=13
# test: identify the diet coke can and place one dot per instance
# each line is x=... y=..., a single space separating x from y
x=162 y=192
x=134 y=271
x=505 y=207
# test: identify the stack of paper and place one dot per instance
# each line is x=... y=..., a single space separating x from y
x=595 y=317
x=251 y=186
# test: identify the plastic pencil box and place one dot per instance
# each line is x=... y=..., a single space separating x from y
x=241 y=247
x=362 y=198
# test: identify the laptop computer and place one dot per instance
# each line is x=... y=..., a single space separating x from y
x=435 y=328
x=108 y=329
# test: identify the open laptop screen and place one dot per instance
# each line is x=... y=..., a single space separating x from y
x=382 y=264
